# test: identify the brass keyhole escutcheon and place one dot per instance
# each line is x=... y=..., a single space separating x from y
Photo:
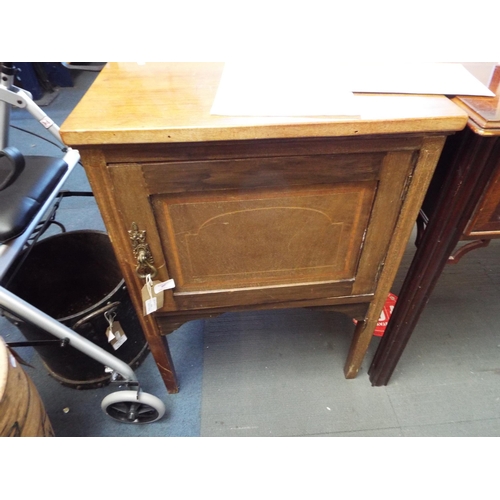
x=142 y=253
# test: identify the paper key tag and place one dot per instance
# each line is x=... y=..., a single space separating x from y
x=150 y=306
x=151 y=299
x=116 y=335
x=164 y=285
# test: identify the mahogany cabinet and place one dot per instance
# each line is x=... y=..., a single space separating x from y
x=462 y=204
x=483 y=220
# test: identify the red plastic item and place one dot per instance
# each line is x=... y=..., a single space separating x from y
x=385 y=315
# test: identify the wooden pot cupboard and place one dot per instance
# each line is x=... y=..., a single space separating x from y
x=253 y=213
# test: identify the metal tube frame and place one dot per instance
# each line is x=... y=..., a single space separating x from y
x=19 y=307
x=13 y=96
x=6 y=81
x=10 y=95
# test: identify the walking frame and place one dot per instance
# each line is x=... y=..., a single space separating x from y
x=42 y=178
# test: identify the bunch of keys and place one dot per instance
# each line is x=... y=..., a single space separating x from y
x=152 y=294
x=115 y=334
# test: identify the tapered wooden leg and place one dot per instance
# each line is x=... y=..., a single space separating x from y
x=359 y=345
x=161 y=354
x=160 y=350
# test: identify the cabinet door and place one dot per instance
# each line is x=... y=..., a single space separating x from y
x=264 y=245
x=274 y=229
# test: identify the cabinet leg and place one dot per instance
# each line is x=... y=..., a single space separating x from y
x=161 y=354
x=359 y=345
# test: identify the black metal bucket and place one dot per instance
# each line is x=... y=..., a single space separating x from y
x=74 y=278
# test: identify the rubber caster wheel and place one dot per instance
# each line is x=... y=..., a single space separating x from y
x=130 y=408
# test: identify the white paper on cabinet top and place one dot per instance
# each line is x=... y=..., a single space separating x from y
x=286 y=89
x=271 y=89
x=415 y=78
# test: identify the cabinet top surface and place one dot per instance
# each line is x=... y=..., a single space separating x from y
x=170 y=102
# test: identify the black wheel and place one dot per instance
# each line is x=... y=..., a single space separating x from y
x=129 y=407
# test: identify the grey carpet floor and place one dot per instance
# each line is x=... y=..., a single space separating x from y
x=279 y=373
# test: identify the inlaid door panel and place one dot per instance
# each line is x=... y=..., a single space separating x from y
x=264 y=237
